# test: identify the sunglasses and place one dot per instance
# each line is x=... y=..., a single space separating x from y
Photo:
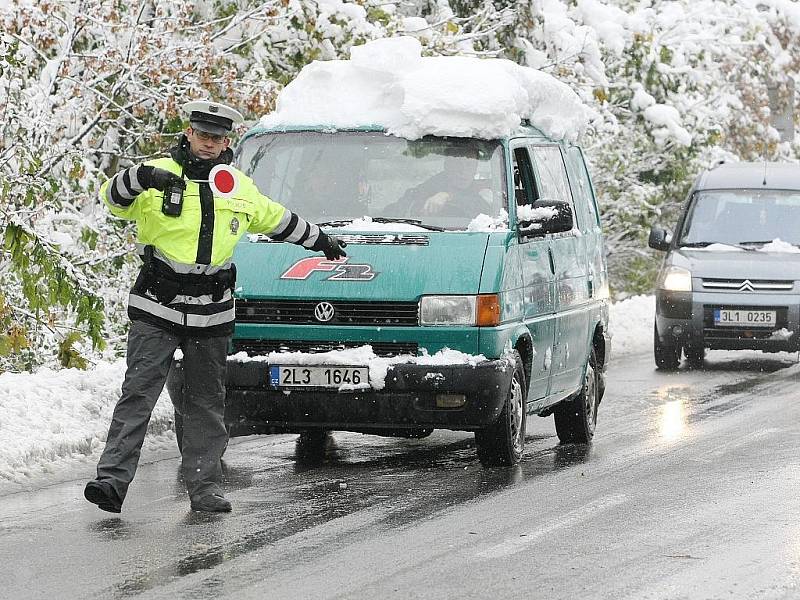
x=213 y=137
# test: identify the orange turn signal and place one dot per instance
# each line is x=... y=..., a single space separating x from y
x=488 y=308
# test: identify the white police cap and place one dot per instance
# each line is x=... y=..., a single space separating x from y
x=212 y=117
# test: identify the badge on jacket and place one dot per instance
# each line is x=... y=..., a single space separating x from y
x=234 y=225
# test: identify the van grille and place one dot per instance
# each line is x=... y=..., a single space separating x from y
x=256 y=347
x=301 y=312
x=748 y=285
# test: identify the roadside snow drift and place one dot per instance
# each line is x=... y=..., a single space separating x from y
x=389 y=83
x=51 y=416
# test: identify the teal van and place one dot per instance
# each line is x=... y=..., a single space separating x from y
x=474 y=293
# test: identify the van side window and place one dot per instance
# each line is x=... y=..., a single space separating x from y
x=524 y=188
x=553 y=182
x=582 y=189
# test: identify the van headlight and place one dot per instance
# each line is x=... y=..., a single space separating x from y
x=676 y=279
x=482 y=310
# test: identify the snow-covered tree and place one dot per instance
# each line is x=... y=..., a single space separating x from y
x=89 y=86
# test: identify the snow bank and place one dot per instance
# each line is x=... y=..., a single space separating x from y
x=631 y=326
x=51 y=416
x=56 y=421
x=387 y=82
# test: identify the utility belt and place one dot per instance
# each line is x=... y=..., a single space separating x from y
x=160 y=280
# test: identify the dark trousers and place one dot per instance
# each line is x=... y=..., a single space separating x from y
x=150 y=351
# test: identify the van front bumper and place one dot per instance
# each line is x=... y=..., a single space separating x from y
x=407 y=402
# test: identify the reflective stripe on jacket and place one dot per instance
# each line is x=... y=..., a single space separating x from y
x=200 y=241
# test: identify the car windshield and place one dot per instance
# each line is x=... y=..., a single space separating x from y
x=337 y=177
x=742 y=217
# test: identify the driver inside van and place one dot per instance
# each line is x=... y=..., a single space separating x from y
x=453 y=192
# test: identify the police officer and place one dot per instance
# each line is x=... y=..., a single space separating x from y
x=187 y=228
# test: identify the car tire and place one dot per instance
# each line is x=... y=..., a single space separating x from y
x=576 y=418
x=503 y=442
x=695 y=355
x=668 y=356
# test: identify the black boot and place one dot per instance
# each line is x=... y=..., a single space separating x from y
x=211 y=503
x=102 y=493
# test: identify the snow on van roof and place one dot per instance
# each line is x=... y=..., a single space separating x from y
x=388 y=83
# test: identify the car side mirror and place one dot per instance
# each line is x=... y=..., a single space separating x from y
x=660 y=238
x=544 y=217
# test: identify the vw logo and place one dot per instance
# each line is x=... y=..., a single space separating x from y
x=324 y=311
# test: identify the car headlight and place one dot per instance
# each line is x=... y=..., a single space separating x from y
x=676 y=279
x=482 y=310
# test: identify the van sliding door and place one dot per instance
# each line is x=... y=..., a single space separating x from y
x=537 y=280
x=568 y=249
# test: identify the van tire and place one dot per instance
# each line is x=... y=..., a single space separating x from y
x=503 y=442
x=668 y=356
x=312 y=445
x=576 y=418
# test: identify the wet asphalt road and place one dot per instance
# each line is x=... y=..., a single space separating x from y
x=690 y=490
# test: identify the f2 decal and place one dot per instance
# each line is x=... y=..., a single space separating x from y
x=341 y=271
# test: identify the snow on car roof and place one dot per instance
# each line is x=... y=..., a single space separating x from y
x=388 y=83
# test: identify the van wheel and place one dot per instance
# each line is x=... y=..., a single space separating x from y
x=178 y=424
x=576 y=418
x=312 y=444
x=502 y=442
x=695 y=355
x=667 y=356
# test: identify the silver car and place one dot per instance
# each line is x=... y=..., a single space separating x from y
x=731 y=276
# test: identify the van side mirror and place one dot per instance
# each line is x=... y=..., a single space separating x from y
x=660 y=238
x=544 y=217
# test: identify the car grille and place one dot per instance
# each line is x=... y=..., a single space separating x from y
x=301 y=312
x=748 y=285
x=256 y=347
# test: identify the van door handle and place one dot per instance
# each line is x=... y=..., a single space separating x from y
x=591 y=285
x=552 y=263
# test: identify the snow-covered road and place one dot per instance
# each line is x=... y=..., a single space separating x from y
x=53 y=424
x=689 y=491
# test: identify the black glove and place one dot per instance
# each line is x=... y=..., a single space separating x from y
x=159 y=179
x=329 y=245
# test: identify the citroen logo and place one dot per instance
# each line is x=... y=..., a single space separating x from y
x=746 y=286
x=324 y=311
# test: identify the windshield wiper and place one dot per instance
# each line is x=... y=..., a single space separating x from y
x=706 y=244
x=416 y=222
x=334 y=223
x=758 y=243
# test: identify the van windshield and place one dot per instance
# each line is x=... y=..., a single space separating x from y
x=330 y=178
x=742 y=217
